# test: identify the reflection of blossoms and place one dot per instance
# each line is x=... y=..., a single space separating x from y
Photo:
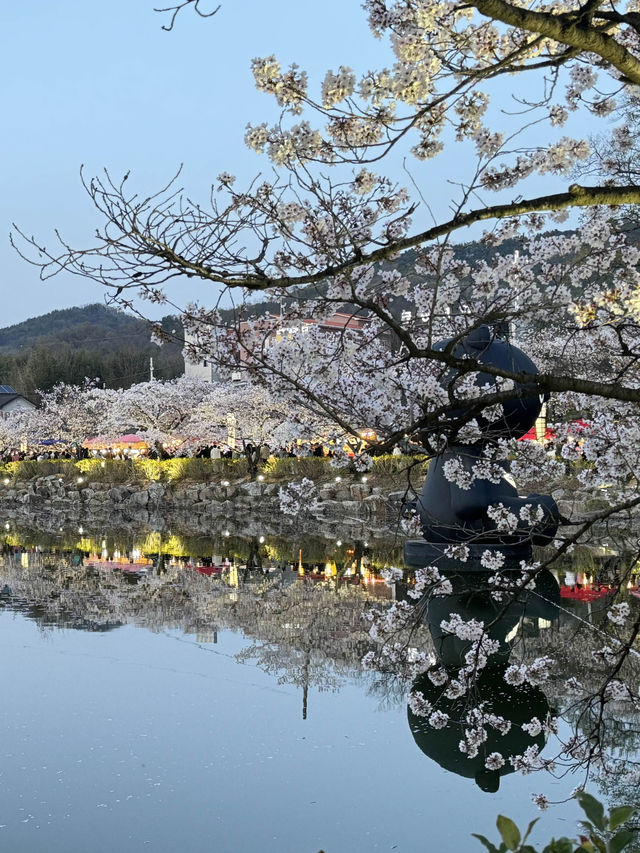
x=617 y=690
x=298 y=498
x=605 y=655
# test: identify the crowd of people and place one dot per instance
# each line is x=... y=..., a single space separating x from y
x=215 y=450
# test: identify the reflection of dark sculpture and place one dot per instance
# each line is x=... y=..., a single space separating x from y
x=472 y=599
x=519 y=704
x=451 y=515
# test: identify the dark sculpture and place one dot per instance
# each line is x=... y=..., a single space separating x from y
x=451 y=515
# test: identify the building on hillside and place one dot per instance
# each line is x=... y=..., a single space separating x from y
x=11 y=401
x=201 y=369
x=335 y=324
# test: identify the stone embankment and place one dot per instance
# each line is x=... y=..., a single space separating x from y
x=238 y=504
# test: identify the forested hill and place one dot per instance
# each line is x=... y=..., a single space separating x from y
x=94 y=341
x=93 y=327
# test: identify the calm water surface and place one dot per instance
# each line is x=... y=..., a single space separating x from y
x=135 y=740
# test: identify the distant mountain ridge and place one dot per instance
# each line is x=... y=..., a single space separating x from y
x=93 y=341
x=102 y=327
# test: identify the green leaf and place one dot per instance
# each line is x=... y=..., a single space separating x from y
x=490 y=847
x=559 y=845
x=619 y=841
x=529 y=828
x=593 y=809
x=509 y=832
x=619 y=815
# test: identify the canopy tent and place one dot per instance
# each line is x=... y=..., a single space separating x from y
x=129 y=440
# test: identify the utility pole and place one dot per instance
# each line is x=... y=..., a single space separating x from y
x=513 y=337
x=151 y=368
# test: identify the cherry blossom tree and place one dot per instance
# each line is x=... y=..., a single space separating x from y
x=329 y=234
x=157 y=411
x=70 y=413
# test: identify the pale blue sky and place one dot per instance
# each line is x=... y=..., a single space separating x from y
x=101 y=84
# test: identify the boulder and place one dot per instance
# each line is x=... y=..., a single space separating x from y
x=359 y=491
x=138 y=499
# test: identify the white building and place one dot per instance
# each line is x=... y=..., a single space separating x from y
x=11 y=401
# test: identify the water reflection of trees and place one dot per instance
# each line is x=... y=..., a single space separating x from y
x=228 y=540
x=184 y=535
x=312 y=635
x=305 y=633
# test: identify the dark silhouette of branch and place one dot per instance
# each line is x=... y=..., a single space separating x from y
x=175 y=10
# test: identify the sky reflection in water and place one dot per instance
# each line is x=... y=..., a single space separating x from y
x=137 y=740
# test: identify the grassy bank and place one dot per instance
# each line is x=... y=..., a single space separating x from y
x=385 y=470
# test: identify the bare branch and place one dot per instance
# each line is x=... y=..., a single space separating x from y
x=175 y=10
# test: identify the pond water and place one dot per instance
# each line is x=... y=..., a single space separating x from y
x=147 y=717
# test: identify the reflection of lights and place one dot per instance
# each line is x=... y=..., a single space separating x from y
x=338 y=479
x=339 y=542
x=364 y=479
x=261 y=477
x=81 y=529
x=7 y=526
x=80 y=480
x=366 y=544
x=225 y=483
x=6 y=481
x=261 y=539
x=103 y=464
x=513 y=633
x=226 y=533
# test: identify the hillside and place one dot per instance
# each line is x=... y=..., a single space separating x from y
x=93 y=341
x=94 y=327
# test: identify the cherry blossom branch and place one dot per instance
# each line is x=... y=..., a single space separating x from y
x=569 y=29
